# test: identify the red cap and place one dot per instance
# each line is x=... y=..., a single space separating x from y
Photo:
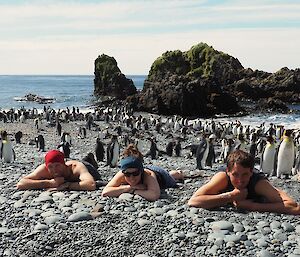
x=54 y=156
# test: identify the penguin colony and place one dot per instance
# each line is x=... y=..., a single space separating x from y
x=276 y=149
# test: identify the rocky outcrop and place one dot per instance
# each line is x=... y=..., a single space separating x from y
x=110 y=81
x=35 y=98
x=271 y=105
x=199 y=82
x=189 y=83
x=282 y=85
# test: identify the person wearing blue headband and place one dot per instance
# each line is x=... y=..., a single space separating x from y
x=134 y=178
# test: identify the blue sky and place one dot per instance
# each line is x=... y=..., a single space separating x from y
x=65 y=37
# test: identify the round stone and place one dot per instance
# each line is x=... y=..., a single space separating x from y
x=222 y=225
x=80 y=216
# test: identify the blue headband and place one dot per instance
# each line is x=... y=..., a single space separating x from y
x=131 y=162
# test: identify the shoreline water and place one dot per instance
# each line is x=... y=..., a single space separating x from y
x=77 y=90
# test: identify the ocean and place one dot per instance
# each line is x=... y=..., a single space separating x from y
x=77 y=90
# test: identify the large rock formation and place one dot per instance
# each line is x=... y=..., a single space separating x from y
x=199 y=82
x=110 y=81
x=282 y=85
x=189 y=83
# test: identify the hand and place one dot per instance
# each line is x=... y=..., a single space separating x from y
x=56 y=182
x=63 y=186
x=239 y=194
x=244 y=204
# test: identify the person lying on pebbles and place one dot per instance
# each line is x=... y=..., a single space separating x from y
x=134 y=178
x=243 y=187
x=56 y=174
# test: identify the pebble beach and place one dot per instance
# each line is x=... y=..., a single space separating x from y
x=71 y=223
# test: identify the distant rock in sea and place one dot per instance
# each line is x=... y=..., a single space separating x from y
x=35 y=98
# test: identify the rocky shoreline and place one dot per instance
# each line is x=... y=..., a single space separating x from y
x=49 y=223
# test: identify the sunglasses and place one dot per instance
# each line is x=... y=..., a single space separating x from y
x=129 y=174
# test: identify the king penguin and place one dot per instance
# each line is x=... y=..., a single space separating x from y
x=7 y=151
x=296 y=168
x=267 y=161
x=113 y=152
x=99 y=150
x=202 y=153
x=286 y=154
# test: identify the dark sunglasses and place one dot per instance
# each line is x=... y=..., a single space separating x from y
x=129 y=174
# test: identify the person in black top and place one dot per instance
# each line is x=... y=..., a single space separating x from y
x=135 y=178
x=241 y=186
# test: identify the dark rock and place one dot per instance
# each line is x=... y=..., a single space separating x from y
x=199 y=82
x=283 y=85
x=189 y=83
x=110 y=81
x=272 y=105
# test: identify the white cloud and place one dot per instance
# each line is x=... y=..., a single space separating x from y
x=59 y=38
x=267 y=50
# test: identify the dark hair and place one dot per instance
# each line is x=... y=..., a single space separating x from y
x=131 y=150
x=240 y=157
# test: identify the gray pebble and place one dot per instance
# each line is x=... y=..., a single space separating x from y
x=40 y=226
x=80 y=216
x=53 y=219
x=288 y=227
x=143 y=222
x=265 y=253
x=222 y=225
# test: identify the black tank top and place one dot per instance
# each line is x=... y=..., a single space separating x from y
x=257 y=176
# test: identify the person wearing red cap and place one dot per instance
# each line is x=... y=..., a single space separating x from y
x=57 y=174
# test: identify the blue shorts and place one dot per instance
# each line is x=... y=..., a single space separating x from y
x=165 y=180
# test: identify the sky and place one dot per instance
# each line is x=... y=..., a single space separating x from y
x=65 y=37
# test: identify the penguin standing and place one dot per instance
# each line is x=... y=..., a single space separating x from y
x=37 y=123
x=267 y=161
x=18 y=137
x=211 y=156
x=169 y=148
x=241 y=143
x=64 y=147
x=7 y=152
x=177 y=148
x=253 y=146
x=202 y=153
x=228 y=148
x=82 y=132
x=113 y=152
x=58 y=128
x=40 y=143
x=90 y=158
x=153 y=151
x=99 y=150
x=296 y=168
x=66 y=138
x=286 y=154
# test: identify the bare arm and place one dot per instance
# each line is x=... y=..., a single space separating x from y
x=208 y=195
x=152 y=191
x=277 y=200
x=86 y=180
x=114 y=188
x=39 y=179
